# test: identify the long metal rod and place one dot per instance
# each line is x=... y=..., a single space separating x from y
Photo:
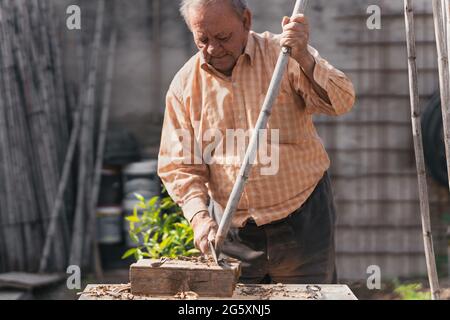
x=418 y=148
x=272 y=93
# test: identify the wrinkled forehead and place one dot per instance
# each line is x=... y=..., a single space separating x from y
x=213 y=18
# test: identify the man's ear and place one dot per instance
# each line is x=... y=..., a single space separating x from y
x=247 y=20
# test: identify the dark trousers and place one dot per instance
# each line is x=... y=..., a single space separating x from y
x=298 y=249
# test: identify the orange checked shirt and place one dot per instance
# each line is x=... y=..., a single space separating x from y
x=201 y=100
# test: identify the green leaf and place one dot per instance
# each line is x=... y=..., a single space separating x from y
x=182 y=225
x=139 y=197
x=165 y=242
x=133 y=219
x=139 y=253
x=134 y=238
x=192 y=252
x=128 y=253
x=146 y=237
x=152 y=201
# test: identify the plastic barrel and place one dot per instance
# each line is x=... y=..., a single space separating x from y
x=141 y=178
x=111 y=187
x=109 y=225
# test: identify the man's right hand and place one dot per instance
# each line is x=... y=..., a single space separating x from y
x=205 y=228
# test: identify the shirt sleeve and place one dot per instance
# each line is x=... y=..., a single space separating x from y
x=182 y=172
x=338 y=87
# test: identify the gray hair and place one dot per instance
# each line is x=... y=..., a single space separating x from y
x=238 y=5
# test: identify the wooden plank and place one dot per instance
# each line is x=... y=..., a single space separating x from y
x=28 y=281
x=242 y=292
x=14 y=295
x=198 y=275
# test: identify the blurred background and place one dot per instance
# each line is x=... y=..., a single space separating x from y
x=118 y=67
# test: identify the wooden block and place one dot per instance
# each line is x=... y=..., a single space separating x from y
x=199 y=275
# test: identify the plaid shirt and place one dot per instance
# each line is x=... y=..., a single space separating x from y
x=200 y=98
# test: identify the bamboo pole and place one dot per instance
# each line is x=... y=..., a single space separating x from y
x=45 y=140
x=4 y=144
x=156 y=43
x=78 y=230
x=418 y=148
x=444 y=73
x=30 y=219
x=17 y=261
x=29 y=100
x=61 y=189
x=447 y=32
x=106 y=103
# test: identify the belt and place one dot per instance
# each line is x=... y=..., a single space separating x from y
x=253 y=222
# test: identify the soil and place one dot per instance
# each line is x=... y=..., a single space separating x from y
x=206 y=260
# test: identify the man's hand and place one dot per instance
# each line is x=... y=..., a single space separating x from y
x=296 y=36
x=205 y=228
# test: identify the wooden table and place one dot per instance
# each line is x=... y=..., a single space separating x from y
x=242 y=292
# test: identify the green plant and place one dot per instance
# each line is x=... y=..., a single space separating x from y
x=158 y=229
x=412 y=291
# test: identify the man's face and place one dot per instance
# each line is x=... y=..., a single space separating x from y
x=220 y=34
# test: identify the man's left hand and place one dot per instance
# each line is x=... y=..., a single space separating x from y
x=296 y=36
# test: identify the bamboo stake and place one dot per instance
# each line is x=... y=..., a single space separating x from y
x=77 y=235
x=8 y=83
x=418 y=148
x=4 y=144
x=29 y=99
x=61 y=189
x=44 y=135
x=444 y=73
x=99 y=156
x=447 y=32
x=29 y=209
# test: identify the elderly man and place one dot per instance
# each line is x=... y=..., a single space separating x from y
x=283 y=229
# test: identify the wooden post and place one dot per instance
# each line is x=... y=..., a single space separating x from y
x=418 y=148
x=444 y=73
